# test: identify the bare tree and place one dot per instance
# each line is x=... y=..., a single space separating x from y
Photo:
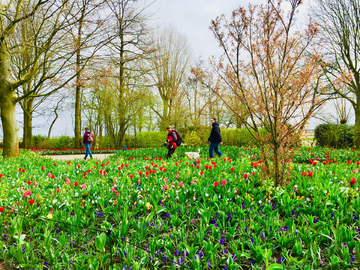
x=170 y=64
x=273 y=72
x=340 y=40
x=130 y=45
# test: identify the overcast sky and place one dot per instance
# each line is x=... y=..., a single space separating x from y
x=192 y=18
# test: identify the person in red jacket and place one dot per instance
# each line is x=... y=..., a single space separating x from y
x=171 y=141
x=87 y=140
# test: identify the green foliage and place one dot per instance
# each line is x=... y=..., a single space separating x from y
x=334 y=135
x=146 y=139
x=238 y=137
x=37 y=140
x=192 y=139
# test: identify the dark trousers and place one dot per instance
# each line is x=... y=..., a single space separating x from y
x=170 y=152
x=214 y=146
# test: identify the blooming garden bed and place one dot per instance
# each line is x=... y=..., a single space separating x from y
x=180 y=214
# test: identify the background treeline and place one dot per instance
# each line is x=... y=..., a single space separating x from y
x=191 y=137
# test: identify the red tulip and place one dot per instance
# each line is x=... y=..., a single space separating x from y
x=246 y=175
x=131 y=176
x=201 y=173
x=310 y=173
x=253 y=173
x=232 y=169
x=53 y=176
x=197 y=166
x=353 y=181
x=28 y=182
x=23 y=170
x=57 y=190
x=31 y=201
x=1 y=209
x=76 y=184
x=165 y=169
x=216 y=184
x=54 y=164
x=42 y=168
x=79 y=166
x=176 y=163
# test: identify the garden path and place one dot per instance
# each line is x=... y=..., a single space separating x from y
x=72 y=157
x=4 y=266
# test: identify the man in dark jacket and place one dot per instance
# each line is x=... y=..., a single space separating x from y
x=87 y=140
x=171 y=141
x=215 y=138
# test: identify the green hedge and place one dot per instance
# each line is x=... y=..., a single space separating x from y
x=191 y=136
x=334 y=135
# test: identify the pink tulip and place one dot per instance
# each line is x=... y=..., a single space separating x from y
x=223 y=182
x=67 y=181
x=181 y=184
x=83 y=186
x=166 y=187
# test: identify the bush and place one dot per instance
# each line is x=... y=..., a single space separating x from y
x=146 y=139
x=192 y=139
x=238 y=137
x=334 y=135
x=37 y=140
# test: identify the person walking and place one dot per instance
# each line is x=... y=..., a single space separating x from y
x=88 y=138
x=215 y=138
x=172 y=142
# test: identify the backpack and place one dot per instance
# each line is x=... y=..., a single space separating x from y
x=179 y=140
x=89 y=138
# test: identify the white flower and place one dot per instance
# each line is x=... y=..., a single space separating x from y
x=325 y=191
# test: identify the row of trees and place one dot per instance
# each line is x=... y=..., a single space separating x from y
x=123 y=76
x=119 y=72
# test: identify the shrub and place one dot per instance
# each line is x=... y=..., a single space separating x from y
x=37 y=140
x=146 y=139
x=238 y=137
x=192 y=139
x=334 y=135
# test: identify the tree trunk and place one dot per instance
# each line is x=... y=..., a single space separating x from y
x=7 y=106
x=357 y=126
x=164 y=120
x=10 y=127
x=27 y=129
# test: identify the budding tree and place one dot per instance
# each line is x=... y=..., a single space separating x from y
x=273 y=72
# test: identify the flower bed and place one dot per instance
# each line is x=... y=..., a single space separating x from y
x=185 y=214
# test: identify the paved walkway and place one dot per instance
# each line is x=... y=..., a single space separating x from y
x=71 y=157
